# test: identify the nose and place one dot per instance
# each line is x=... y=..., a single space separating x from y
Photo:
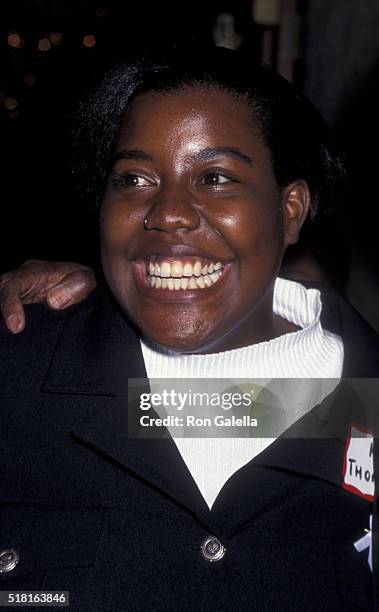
x=173 y=209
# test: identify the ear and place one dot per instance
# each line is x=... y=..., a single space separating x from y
x=296 y=199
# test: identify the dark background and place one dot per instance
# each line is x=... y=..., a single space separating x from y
x=329 y=48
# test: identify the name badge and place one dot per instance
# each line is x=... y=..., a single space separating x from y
x=358 y=468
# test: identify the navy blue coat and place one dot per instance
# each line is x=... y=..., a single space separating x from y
x=119 y=522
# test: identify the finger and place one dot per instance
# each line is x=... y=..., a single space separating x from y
x=11 y=306
x=77 y=286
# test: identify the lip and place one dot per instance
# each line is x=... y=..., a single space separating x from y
x=175 y=251
x=179 y=295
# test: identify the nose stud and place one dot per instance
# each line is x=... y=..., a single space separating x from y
x=145 y=222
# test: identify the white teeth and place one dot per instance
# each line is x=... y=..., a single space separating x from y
x=165 y=270
x=195 y=282
x=176 y=275
x=197 y=269
x=187 y=269
x=176 y=270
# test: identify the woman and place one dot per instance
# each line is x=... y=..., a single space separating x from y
x=205 y=168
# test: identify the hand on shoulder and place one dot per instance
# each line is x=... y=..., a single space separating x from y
x=60 y=284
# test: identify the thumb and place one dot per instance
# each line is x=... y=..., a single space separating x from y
x=76 y=287
x=60 y=297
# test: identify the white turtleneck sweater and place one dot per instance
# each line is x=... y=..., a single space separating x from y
x=309 y=353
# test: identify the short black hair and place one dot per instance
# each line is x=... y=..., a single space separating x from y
x=291 y=127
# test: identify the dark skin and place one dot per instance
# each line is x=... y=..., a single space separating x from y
x=219 y=205
x=225 y=206
x=59 y=283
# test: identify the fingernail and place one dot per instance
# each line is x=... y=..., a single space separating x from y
x=58 y=301
x=14 y=323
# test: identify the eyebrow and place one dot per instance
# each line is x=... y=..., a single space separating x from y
x=132 y=154
x=203 y=155
x=211 y=153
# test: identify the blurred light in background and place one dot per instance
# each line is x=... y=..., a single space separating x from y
x=15 y=40
x=267 y=12
x=10 y=103
x=44 y=44
x=56 y=38
x=101 y=11
x=89 y=41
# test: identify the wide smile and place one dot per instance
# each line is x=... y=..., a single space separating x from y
x=177 y=278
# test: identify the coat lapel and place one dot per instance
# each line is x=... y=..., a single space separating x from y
x=312 y=449
x=97 y=352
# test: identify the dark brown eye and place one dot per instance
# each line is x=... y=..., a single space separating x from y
x=130 y=180
x=215 y=178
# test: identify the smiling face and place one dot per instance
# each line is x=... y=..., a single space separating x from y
x=193 y=223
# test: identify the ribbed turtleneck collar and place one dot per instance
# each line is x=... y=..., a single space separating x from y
x=310 y=352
